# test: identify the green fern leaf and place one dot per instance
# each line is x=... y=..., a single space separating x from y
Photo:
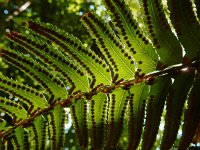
x=16 y=111
x=20 y=139
x=186 y=25
x=120 y=59
x=155 y=106
x=31 y=97
x=39 y=129
x=139 y=93
x=98 y=115
x=117 y=109
x=175 y=102
x=56 y=60
x=94 y=66
x=57 y=121
x=111 y=92
x=192 y=116
x=131 y=36
x=75 y=49
x=167 y=45
x=37 y=71
x=79 y=116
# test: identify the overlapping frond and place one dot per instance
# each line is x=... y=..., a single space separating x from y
x=120 y=59
x=16 y=111
x=155 y=105
x=55 y=59
x=167 y=45
x=187 y=27
x=34 y=99
x=57 y=122
x=79 y=116
x=98 y=118
x=53 y=85
x=117 y=108
x=20 y=139
x=192 y=115
x=40 y=134
x=74 y=49
x=175 y=103
x=132 y=38
x=137 y=106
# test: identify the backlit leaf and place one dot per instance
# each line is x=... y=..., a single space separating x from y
x=137 y=105
x=16 y=111
x=175 y=102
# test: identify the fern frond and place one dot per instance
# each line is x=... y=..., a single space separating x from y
x=120 y=59
x=98 y=118
x=155 y=106
x=175 y=102
x=31 y=97
x=187 y=27
x=57 y=121
x=36 y=71
x=192 y=116
x=20 y=139
x=167 y=45
x=117 y=109
x=126 y=85
x=55 y=59
x=131 y=36
x=79 y=116
x=39 y=129
x=16 y=111
x=95 y=67
x=139 y=93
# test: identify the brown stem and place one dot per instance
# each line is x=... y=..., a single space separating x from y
x=105 y=89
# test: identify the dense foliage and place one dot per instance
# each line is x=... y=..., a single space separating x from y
x=143 y=75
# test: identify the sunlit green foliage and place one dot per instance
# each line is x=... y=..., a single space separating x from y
x=134 y=86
